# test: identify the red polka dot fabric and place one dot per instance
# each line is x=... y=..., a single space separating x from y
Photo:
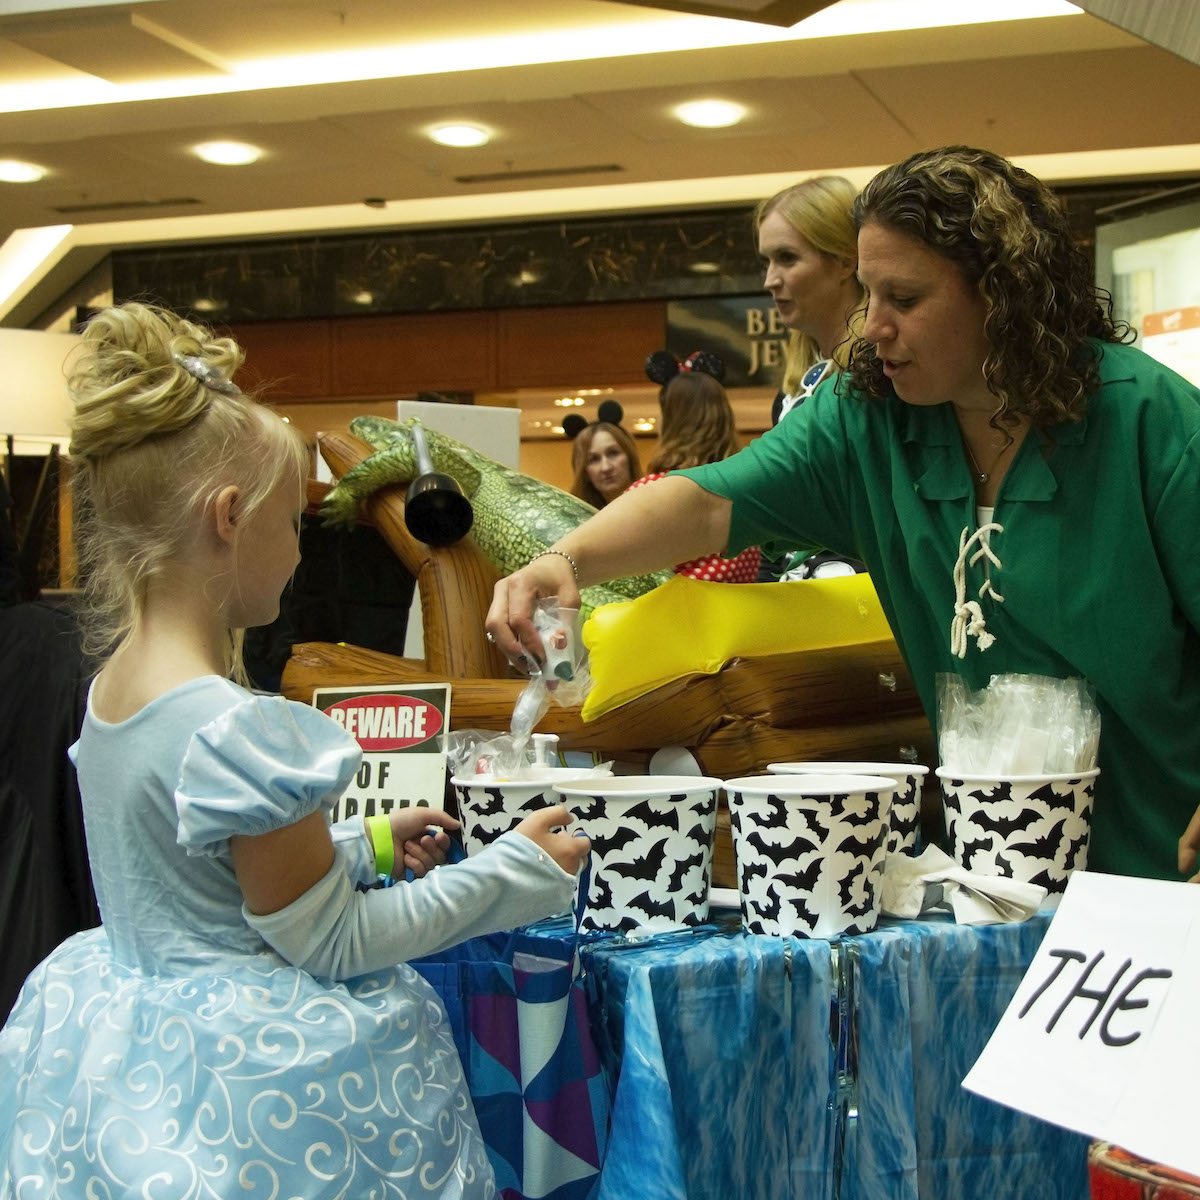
x=714 y=568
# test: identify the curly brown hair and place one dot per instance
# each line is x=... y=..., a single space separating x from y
x=1009 y=236
x=698 y=425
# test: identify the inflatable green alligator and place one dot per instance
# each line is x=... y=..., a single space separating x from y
x=516 y=516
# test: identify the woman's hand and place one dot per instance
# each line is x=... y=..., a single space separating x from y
x=416 y=847
x=1189 y=846
x=642 y=530
x=510 y=618
x=546 y=828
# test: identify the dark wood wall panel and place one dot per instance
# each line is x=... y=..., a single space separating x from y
x=403 y=354
x=480 y=350
x=288 y=360
x=605 y=343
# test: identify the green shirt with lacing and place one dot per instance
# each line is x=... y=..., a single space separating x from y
x=1099 y=557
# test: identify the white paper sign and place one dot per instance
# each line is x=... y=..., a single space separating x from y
x=1102 y=1034
x=401 y=729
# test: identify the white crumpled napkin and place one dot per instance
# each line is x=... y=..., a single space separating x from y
x=933 y=880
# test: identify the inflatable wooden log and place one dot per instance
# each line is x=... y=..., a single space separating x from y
x=855 y=716
x=489 y=703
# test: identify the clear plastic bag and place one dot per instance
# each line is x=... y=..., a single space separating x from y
x=563 y=677
x=472 y=752
x=1018 y=725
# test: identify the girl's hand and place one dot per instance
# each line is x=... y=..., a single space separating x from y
x=546 y=827
x=416 y=847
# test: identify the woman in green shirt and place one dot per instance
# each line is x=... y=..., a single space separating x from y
x=1023 y=487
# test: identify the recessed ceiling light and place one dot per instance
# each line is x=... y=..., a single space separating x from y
x=460 y=135
x=227 y=154
x=12 y=170
x=710 y=114
x=704 y=268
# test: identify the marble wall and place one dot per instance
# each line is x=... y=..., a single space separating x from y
x=577 y=260
x=550 y=263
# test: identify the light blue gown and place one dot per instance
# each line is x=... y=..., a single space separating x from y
x=172 y=1052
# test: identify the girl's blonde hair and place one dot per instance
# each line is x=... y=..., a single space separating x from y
x=818 y=209
x=152 y=445
x=697 y=423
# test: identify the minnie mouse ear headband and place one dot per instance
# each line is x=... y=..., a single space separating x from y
x=662 y=366
x=609 y=412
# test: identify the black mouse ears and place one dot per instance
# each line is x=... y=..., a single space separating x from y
x=609 y=412
x=662 y=366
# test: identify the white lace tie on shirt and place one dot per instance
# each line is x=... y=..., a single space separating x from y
x=968 y=614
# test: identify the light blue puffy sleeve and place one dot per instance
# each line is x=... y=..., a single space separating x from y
x=264 y=763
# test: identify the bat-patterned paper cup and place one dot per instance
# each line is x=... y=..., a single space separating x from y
x=652 y=838
x=810 y=850
x=904 y=823
x=1033 y=828
x=488 y=807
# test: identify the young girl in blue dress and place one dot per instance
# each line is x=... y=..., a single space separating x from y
x=239 y=1024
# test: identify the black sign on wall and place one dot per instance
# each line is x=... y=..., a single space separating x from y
x=745 y=331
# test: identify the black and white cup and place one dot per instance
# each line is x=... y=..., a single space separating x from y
x=652 y=839
x=1033 y=828
x=490 y=807
x=810 y=851
x=904 y=824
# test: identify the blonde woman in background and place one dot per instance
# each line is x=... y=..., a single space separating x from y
x=809 y=248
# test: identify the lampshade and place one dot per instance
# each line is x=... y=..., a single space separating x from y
x=34 y=404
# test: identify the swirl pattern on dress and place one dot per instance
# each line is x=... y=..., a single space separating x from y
x=258 y=1082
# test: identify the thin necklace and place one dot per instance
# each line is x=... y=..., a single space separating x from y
x=982 y=476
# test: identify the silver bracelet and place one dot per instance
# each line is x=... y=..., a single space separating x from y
x=561 y=554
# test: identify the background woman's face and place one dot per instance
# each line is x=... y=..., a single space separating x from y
x=608 y=466
x=805 y=284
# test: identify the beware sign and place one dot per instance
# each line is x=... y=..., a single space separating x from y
x=1100 y=1032
x=401 y=729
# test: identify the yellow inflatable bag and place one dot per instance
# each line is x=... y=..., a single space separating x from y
x=688 y=626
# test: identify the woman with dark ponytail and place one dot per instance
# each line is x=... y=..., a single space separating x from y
x=697 y=427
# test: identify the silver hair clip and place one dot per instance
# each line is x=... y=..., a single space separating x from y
x=207 y=374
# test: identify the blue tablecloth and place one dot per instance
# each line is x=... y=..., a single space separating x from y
x=927 y=996
x=780 y=1068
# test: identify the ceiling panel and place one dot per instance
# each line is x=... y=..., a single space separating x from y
x=1039 y=105
x=117 y=46
x=771 y=12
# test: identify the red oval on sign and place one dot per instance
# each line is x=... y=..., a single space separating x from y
x=387 y=721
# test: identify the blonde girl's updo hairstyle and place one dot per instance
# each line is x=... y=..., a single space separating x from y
x=1009 y=236
x=159 y=428
x=818 y=209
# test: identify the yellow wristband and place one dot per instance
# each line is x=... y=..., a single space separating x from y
x=380 y=829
